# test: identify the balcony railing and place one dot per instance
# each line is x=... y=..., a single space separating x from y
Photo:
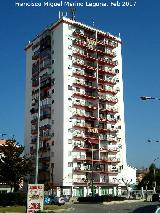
x=107 y=90
x=83 y=85
x=84 y=96
x=90 y=58
x=84 y=116
x=109 y=110
x=79 y=170
x=109 y=100
x=80 y=64
x=109 y=82
x=90 y=107
x=108 y=72
x=89 y=77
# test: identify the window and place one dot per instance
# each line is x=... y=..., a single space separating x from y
x=116 y=70
x=70 y=164
x=70 y=57
x=77 y=89
x=52 y=61
x=69 y=153
x=52 y=71
x=69 y=141
x=69 y=87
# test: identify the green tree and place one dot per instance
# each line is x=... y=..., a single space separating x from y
x=13 y=165
x=152 y=176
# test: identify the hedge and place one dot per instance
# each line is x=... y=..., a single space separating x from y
x=100 y=199
x=13 y=198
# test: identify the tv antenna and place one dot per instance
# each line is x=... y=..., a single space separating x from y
x=73 y=13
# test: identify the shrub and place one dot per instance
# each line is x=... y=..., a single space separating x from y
x=14 y=198
x=100 y=199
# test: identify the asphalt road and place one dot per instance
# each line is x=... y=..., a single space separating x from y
x=136 y=207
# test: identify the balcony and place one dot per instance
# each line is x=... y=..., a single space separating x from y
x=79 y=170
x=36 y=55
x=109 y=44
x=109 y=110
x=106 y=62
x=87 y=57
x=34 y=121
x=109 y=139
x=83 y=35
x=110 y=54
x=35 y=82
x=84 y=116
x=82 y=65
x=84 y=85
x=107 y=72
x=79 y=43
x=108 y=90
x=106 y=120
x=108 y=150
x=34 y=140
x=84 y=96
x=109 y=82
x=89 y=77
x=109 y=100
x=90 y=107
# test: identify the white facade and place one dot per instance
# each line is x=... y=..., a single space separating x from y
x=82 y=130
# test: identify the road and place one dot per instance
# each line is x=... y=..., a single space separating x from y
x=134 y=207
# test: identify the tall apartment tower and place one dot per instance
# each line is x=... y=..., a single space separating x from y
x=74 y=74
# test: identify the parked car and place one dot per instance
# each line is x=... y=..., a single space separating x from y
x=66 y=197
x=156 y=197
x=58 y=201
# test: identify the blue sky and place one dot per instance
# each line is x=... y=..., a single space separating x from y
x=140 y=31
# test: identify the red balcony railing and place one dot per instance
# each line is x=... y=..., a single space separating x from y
x=106 y=81
x=105 y=62
x=109 y=100
x=82 y=85
x=108 y=72
x=85 y=106
x=107 y=91
x=113 y=111
x=85 y=96
x=109 y=54
x=105 y=120
x=89 y=77
x=90 y=58
x=84 y=116
x=84 y=66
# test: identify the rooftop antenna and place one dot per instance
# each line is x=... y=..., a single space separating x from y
x=73 y=13
x=93 y=23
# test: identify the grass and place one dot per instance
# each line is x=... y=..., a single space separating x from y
x=22 y=209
